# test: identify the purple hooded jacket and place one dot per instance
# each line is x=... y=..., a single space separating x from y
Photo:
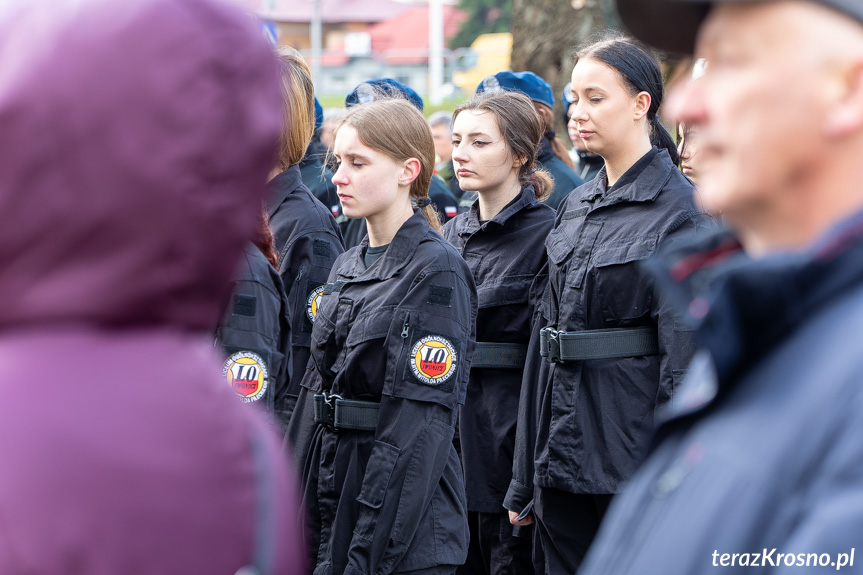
x=135 y=142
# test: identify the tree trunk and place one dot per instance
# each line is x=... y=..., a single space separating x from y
x=545 y=34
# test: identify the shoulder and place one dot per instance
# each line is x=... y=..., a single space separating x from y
x=435 y=254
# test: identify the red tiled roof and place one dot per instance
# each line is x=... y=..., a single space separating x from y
x=404 y=39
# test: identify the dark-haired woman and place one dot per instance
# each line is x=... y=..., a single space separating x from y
x=494 y=145
x=390 y=355
x=611 y=352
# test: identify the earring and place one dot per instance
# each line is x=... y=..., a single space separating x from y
x=402 y=183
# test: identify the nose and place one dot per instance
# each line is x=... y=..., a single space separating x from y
x=579 y=113
x=459 y=153
x=687 y=103
x=340 y=177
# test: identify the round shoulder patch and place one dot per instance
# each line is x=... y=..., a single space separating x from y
x=433 y=360
x=313 y=302
x=247 y=375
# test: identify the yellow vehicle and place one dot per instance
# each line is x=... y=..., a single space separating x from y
x=488 y=54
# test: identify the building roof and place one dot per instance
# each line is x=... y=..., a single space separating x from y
x=332 y=11
x=404 y=39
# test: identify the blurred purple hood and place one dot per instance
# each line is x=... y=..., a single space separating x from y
x=129 y=177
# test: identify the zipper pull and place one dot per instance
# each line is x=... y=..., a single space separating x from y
x=405 y=330
x=300 y=275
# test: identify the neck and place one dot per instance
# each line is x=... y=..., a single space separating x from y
x=619 y=161
x=382 y=226
x=491 y=202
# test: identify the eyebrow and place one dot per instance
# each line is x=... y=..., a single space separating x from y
x=352 y=156
x=473 y=134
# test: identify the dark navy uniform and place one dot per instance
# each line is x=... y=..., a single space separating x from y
x=255 y=335
x=505 y=255
x=308 y=241
x=565 y=178
x=591 y=415
x=318 y=178
x=388 y=496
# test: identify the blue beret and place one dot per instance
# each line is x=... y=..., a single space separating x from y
x=368 y=91
x=527 y=83
x=319 y=115
x=567 y=100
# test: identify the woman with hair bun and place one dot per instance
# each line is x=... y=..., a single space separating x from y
x=390 y=358
x=495 y=141
x=610 y=350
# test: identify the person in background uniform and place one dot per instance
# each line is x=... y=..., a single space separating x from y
x=587 y=164
x=306 y=234
x=131 y=181
x=331 y=118
x=391 y=352
x=552 y=156
x=254 y=332
x=442 y=198
x=757 y=465
x=441 y=127
x=494 y=144
x=316 y=176
x=611 y=351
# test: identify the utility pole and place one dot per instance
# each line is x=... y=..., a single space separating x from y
x=317 y=44
x=435 y=51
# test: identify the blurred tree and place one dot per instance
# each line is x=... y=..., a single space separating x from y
x=545 y=34
x=485 y=16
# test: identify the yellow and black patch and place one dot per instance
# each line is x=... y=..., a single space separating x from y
x=246 y=373
x=433 y=360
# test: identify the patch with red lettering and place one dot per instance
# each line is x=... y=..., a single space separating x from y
x=433 y=360
x=246 y=373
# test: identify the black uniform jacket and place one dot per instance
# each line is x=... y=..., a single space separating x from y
x=318 y=178
x=400 y=333
x=591 y=416
x=308 y=240
x=505 y=255
x=255 y=335
x=565 y=178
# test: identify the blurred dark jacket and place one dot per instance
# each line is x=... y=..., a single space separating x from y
x=760 y=451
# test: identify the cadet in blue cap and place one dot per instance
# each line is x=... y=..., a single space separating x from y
x=445 y=203
x=552 y=155
x=587 y=164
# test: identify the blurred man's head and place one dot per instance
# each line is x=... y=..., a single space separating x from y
x=441 y=127
x=779 y=113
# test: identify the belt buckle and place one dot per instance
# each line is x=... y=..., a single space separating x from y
x=552 y=339
x=329 y=410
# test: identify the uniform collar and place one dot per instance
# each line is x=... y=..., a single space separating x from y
x=402 y=249
x=642 y=182
x=472 y=224
x=281 y=186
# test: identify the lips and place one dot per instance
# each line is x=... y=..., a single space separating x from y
x=584 y=134
x=463 y=172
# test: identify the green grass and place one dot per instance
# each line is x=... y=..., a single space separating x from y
x=449 y=104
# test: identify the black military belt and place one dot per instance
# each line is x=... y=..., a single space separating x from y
x=561 y=346
x=499 y=355
x=335 y=412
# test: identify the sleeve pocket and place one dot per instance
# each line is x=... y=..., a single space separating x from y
x=380 y=468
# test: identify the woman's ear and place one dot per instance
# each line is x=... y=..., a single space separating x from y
x=410 y=171
x=642 y=105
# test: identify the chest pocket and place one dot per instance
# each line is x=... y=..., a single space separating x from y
x=569 y=247
x=504 y=291
x=623 y=287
